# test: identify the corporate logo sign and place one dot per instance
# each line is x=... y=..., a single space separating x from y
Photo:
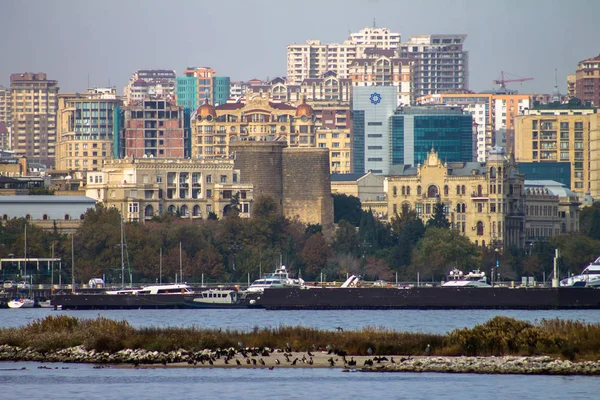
x=375 y=98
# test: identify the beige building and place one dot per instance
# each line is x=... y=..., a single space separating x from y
x=565 y=132
x=34 y=103
x=86 y=129
x=144 y=188
x=5 y=118
x=485 y=202
x=366 y=187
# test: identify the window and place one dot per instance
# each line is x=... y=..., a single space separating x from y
x=209 y=194
x=419 y=209
x=133 y=207
x=445 y=190
x=235 y=178
x=432 y=191
x=374 y=124
x=479 y=228
x=223 y=178
x=419 y=190
x=579 y=125
x=208 y=178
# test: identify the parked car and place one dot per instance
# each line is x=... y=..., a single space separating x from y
x=23 y=285
x=8 y=284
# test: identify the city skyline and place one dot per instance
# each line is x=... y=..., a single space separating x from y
x=84 y=44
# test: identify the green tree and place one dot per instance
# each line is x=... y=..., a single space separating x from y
x=346 y=207
x=441 y=250
x=438 y=218
x=576 y=251
x=346 y=240
x=594 y=230
x=315 y=255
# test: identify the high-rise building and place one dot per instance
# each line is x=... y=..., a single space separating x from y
x=313 y=59
x=384 y=136
x=153 y=83
x=195 y=87
x=220 y=87
x=587 y=81
x=560 y=132
x=86 y=129
x=154 y=128
x=5 y=106
x=34 y=102
x=440 y=63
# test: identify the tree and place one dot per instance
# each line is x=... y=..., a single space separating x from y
x=441 y=250
x=438 y=218
x=311 y=229
x=585 y=217
x=264 y=207
x=377 y=269
x=576 y=251
x=346 y=239
x=346 y=207
x=315 y=254
x=594 y=230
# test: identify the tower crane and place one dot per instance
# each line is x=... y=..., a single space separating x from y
x=503 y=80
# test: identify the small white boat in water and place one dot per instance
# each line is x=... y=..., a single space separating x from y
x=589 y=277
x=475 y=278
x=171 y=288
x=45 y=303
x=21 y=303
x=277 y=280
x=216 y=298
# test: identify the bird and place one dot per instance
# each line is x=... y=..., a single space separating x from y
x=254 y=361
x=238 y=362
x=428 y=350
x=248 y=361
x=310 y=362
x=277 y=361
x=352 y=362
x=309 y=354
x=392 y=360
x=271 y=368
x=331 y=362
x=295 y=360
x=329 y=349
x=340 y=329
x=261 y=361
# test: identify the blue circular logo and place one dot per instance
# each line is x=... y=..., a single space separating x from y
x=375 y=98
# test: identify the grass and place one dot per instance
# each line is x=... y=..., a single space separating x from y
x=498 y=336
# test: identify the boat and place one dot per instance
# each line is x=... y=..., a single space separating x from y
x=276 y=280
x=21 y=303
x=589 y=277
x=45 y=303
x=218 y=298
x=172 y=288
x=475 y=278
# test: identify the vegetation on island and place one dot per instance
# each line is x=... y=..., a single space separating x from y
x=234 y=249
x=499 y=336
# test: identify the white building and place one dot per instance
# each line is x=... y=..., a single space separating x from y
x=155 y=83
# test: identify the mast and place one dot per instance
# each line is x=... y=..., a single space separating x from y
x=122 y=259
x=160 y=267
x=180 y=265
x=72 y=263
x=25 y=268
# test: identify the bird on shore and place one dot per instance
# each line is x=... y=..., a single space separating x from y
x=253 y=361
x=271 y=368
x=331 y=362
x=238 y=362
x=261 y=361
x=309 y=354
x=352 y=362
x=392 y=360
x=428 y=350
x=310 y=362
x=277 y=361
x=295 y=361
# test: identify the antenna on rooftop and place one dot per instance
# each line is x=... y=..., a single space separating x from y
x=374 y=23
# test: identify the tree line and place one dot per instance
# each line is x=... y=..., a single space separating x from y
x=233 y=249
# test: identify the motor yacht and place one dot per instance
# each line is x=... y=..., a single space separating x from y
x=475 y=278
x=278 y=279
x=589 y=277
x=173 y=288
x=21 y=303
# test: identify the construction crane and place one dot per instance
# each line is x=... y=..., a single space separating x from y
x=513 y=78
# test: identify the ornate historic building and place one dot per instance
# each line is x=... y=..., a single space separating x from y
x=256 y=119
x=142 y=188
x=485 y=202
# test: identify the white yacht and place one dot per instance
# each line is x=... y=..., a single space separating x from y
x=589 y=277
x=216 y=298
x=172 y=288
x=457 y=278
x=21 y=303
x=277 y=280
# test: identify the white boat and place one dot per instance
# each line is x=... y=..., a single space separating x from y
x=216 y=298
x=21 y=303
x=174 y=288
x=277 y=280
x=45 y=303
x=589 y=277
x=475 y=278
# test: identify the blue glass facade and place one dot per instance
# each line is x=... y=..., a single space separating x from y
x=552 y=171
x=358 y=147
x=450 y=135
x=397 y=129
x=221 y=86
x=117 y=122
x=187 y=92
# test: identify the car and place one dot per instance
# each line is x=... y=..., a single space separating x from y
x=23 y=285
x=8 y=284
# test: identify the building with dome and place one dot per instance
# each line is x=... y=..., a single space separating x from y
x=254 y=119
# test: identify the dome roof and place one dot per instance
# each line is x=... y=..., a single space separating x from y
x=304 y=109
x=205 y=110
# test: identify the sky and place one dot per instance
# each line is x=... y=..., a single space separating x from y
x=104 y=42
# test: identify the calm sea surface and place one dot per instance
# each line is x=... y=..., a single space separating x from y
x=76 y=381
x=428 y=321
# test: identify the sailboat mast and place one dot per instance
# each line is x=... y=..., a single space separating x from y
x=160 y=268
x=25 y=268
x=180 y=265
x=72 y=263
x=122 y=259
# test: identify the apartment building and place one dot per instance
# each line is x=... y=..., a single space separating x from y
x=34 y=103
x=558 y=132
x=153 y=83
x=441 y=65
x=313 y=59
x=587 y=81
x=153 y=128
x=5 y=106
x=87 y=124
x=195 y=87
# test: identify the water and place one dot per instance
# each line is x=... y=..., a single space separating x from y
x=427 y=321
x=85 y=382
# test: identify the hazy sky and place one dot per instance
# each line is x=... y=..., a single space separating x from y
x=108 y=40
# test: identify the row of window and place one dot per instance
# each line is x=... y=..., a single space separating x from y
x=44 y=217
x=432 y=190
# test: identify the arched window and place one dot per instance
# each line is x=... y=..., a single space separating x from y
x=463 y=189
x=45 y=217
x=419 y=190
x=171 y=209
x=149 y=211
x=458 y=208
x=458 y=189
x=445 y=190
x=67 y=217
x=395 y=190
x=479 y=191
x=483 y=243
x=196 y=211
x=493 y=172
x=184 y=211
x=405 y=207
x=479 y=228
x=432 y=191
x=464 y=207
x=479 y=208
x=408 y=190
x=403 y=190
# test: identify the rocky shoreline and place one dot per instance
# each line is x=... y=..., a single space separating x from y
x=271 y=358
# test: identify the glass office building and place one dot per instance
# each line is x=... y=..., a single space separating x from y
x=221 y=86
x=187 y=89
